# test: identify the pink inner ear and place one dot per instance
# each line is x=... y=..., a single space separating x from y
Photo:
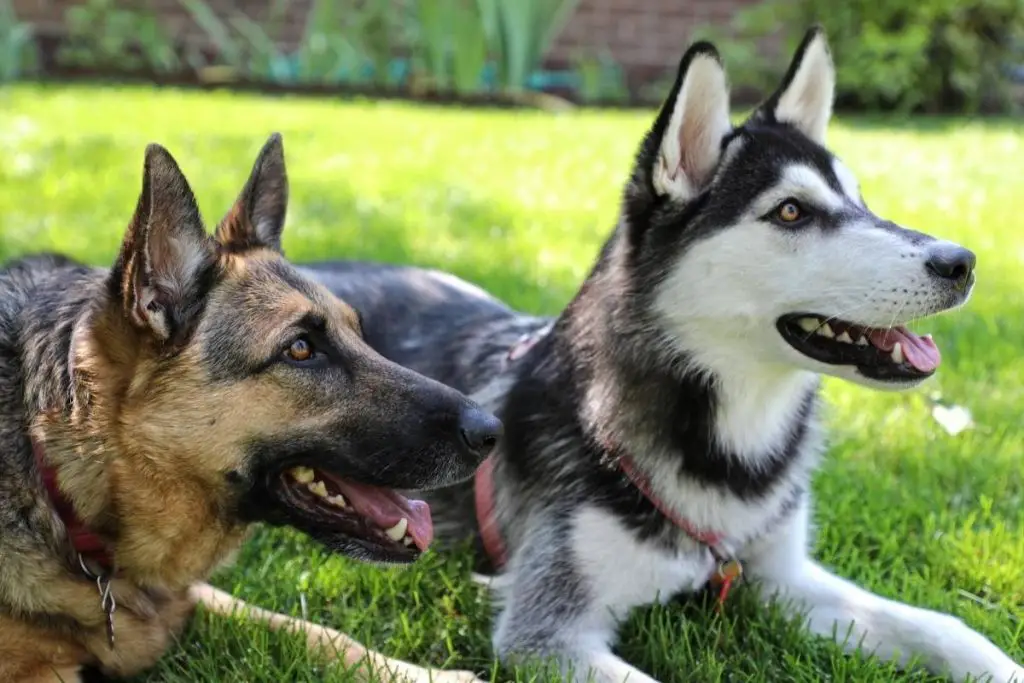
x=702 y=116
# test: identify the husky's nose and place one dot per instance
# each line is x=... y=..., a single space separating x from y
x=952 y=262
x=480 y=431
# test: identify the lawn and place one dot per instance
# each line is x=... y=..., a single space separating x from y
x=519 y=203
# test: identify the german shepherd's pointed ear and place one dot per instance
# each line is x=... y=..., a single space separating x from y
x=166 y=257
x=804 y=100
x=691 y=125
x=257 y=217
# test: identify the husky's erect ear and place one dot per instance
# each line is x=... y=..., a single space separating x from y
x=804 y=100
x=257 y=217
x=691 y=125
x=166 y=257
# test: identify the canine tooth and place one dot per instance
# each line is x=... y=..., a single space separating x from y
x=407 y=541
x=897 y=353
x=845 y=338
x=862 y=341
x=338 y=500
x=303 y=475
x=826 y=331
x=808 y=324
x=396 y=532
x=319 y=488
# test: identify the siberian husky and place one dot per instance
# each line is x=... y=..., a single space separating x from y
x=661 y=433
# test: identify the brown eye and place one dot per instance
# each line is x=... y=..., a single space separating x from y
x=300 y=350
x=789 y=212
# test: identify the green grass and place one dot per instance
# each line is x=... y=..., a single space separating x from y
x=520 y=202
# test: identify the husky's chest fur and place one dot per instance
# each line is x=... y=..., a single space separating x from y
x=730 y=455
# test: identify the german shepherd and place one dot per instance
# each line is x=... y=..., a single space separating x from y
x=152 y=412
x=661 y=433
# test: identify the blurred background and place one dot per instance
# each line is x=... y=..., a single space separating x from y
x=961 y=56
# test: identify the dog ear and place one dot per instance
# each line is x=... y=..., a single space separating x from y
x=804 y=100
x=257 y=217
x=166 y=257
x=691 y=125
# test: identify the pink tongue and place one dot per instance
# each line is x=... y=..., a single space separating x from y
x=920 y=352
x=387 y=508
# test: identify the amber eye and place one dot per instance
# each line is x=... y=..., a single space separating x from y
x=300 y=350
x=789 y=211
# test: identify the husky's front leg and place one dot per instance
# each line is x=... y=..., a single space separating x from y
x=551 y=615
x=862 y=620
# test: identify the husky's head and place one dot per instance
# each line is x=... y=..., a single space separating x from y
x=763 y=249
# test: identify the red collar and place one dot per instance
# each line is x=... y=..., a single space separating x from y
x=729 y=568
x=88 y=546
x=726 y=573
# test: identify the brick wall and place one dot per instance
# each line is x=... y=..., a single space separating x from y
x=646 y=37
x=643 y=34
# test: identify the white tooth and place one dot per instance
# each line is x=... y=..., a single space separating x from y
x=337 y=501
x=826 y=331
x=844 y=337
x=407 y=541
x=808 y=324
x=897 y=353
x=303 y=475
x=319 y=488
x=396 y=532
x=862 y=341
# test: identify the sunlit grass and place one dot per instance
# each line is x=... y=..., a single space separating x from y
x=519 y=203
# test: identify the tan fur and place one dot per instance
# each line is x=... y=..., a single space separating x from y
x=144 y=443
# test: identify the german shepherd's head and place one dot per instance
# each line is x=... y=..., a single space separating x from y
x=214 y=361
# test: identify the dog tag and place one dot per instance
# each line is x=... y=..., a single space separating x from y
x=727 y=573
x=107 y=602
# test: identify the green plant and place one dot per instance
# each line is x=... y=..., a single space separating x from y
x=450 y=44
x=263 y=58
x=17 y=45
x=520 y=32
x=230 y=49
x=930 y=55
x=102 y=35
x=325 y=52
x=600 y=78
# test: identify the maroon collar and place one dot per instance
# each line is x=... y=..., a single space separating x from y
x=88 y=546
x=728 y=569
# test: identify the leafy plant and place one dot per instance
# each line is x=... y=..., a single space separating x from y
x=520 y=32
x=229 y=48
x=325 y=54
x=17 y=45
x=102 y=35
x=909 y=55
x=451 y=44
x=600 y=79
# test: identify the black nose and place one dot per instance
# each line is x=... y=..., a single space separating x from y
x=952 y=262
x=480 y=431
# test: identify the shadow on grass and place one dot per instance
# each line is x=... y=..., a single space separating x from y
x=331 y=221
x=471 y=242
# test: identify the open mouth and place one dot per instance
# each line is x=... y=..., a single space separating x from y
x=886 y=354
x=384 y=525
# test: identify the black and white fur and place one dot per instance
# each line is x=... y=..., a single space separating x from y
x=671 y=351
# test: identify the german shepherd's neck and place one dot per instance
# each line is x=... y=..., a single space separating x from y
x=76 y=358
